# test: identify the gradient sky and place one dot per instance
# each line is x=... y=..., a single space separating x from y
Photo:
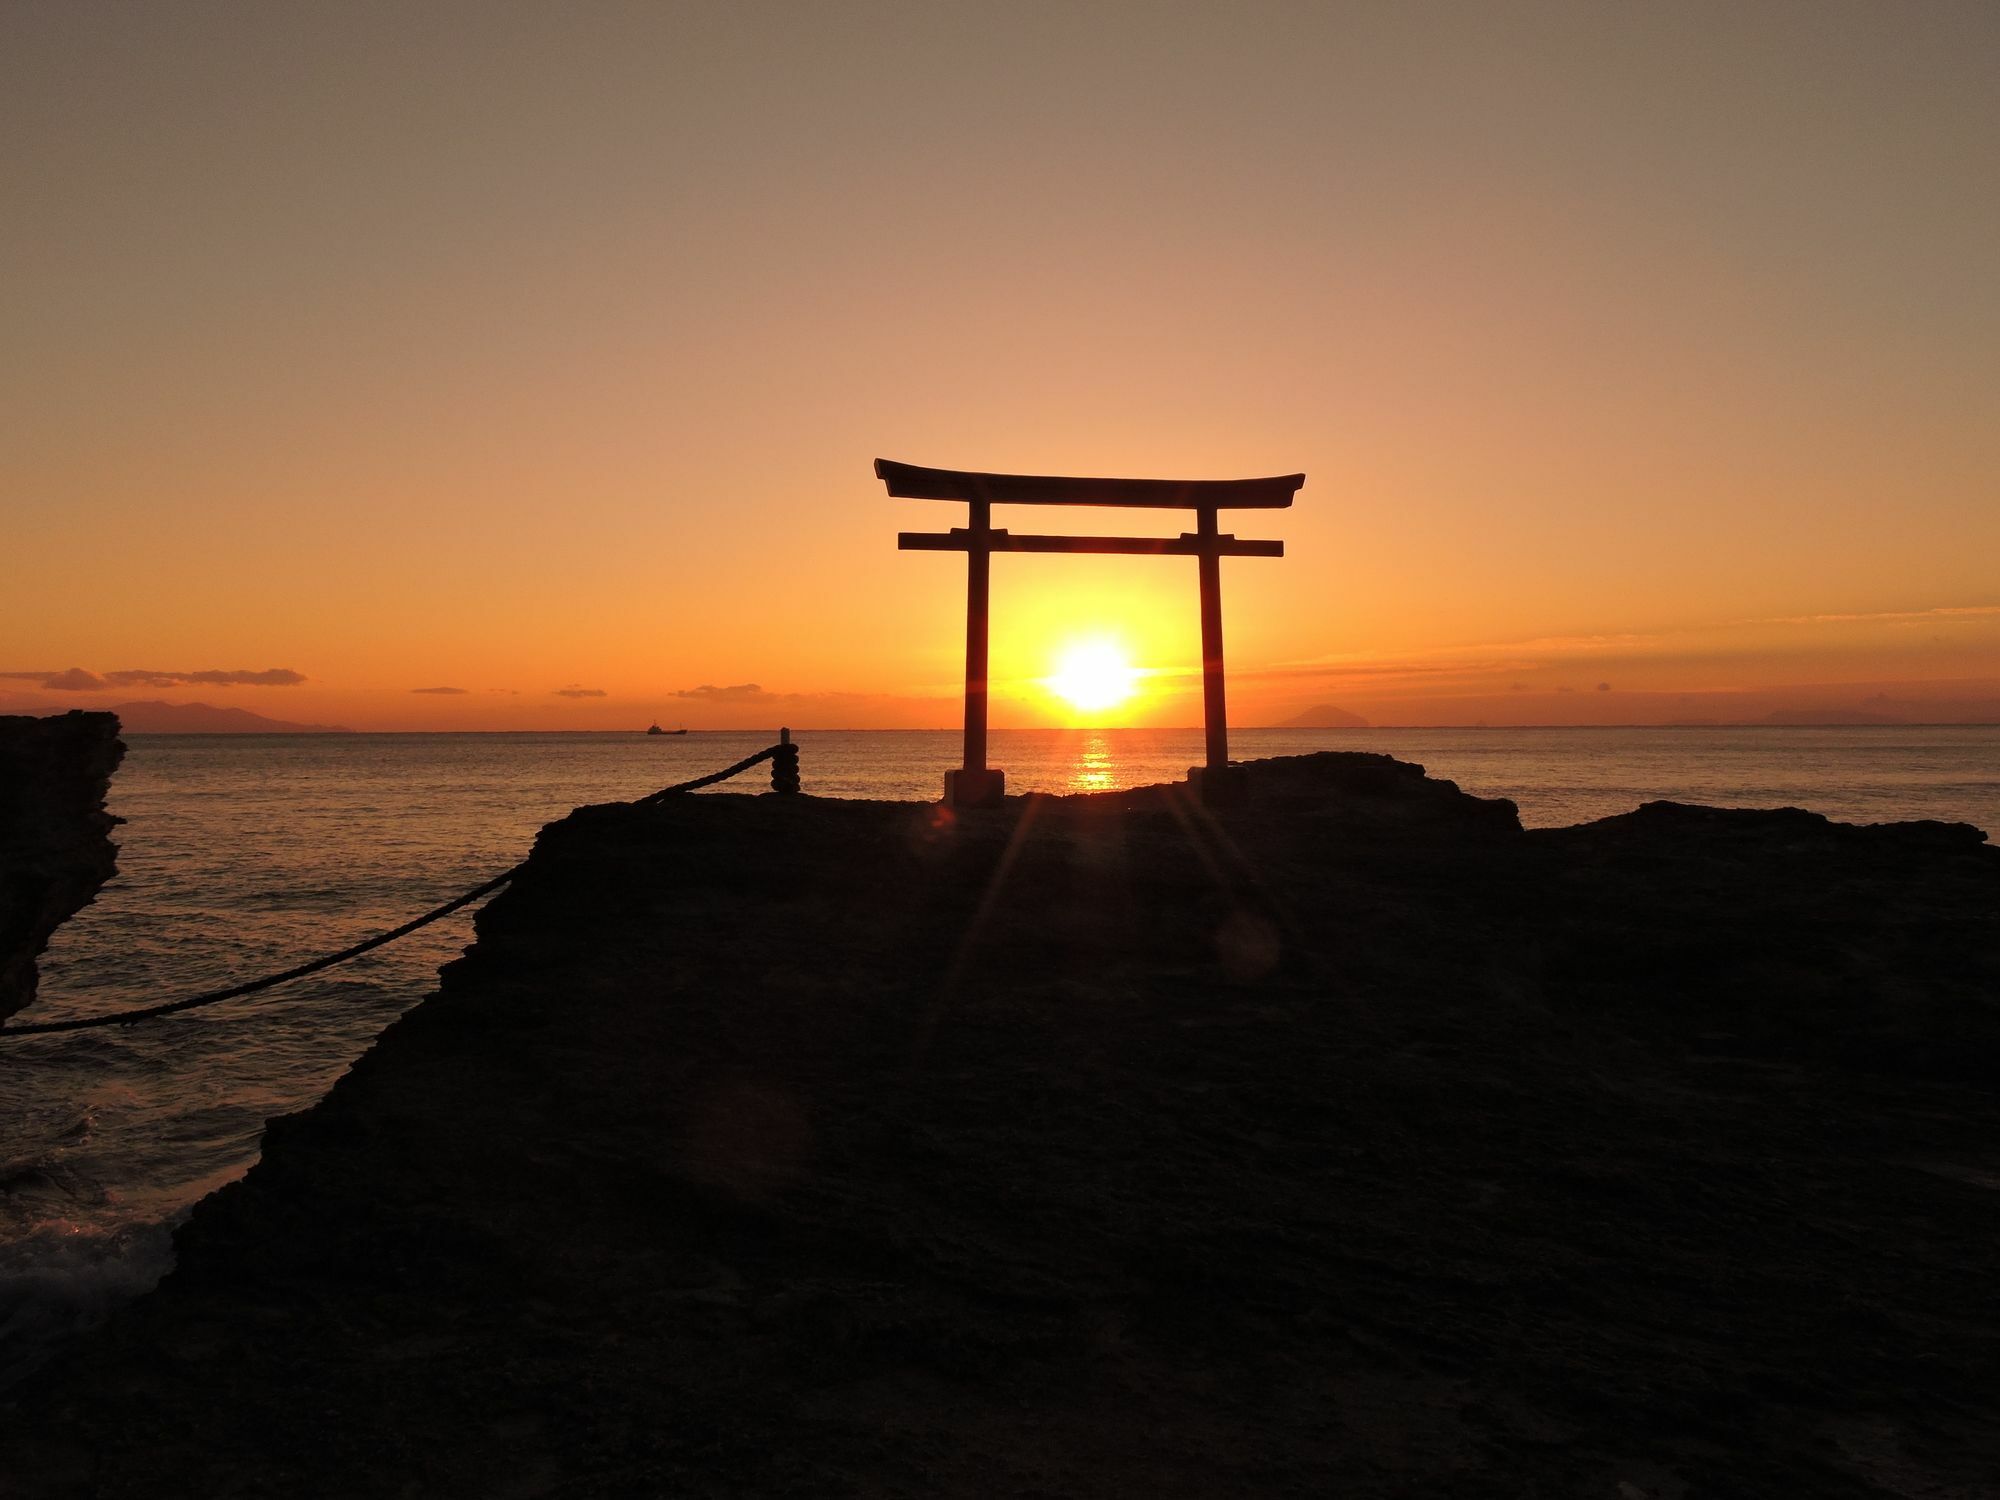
x=536 y=350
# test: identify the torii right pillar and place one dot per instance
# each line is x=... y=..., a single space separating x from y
x=1218 y=782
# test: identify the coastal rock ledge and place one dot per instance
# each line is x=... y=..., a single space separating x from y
x=1351 y=1142
x=55 y=847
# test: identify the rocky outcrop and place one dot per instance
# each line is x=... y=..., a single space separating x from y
x=1778 y=934
x=55 y=846
x=1351 y=1141
x=1354 y=795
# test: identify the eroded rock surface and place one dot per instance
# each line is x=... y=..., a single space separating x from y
x=55 y=845
x=1353 y=1142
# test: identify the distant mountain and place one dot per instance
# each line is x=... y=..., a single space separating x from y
x=1325 y=716
x=155 y=717
x=1829 y=716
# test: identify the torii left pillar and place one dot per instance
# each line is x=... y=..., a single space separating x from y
x=976 y=784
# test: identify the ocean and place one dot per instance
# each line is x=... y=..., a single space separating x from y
x=244 y=854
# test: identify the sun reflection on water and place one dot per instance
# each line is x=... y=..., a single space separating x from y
x=1096 y=769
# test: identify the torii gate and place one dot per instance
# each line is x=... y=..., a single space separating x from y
x=976 y=784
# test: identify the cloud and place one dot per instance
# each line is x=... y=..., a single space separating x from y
x=573 y=691
x=269 y=677
x=75 y=680
x=69 y=680
x=448 y=691
x=742 y=692
x=1442 y=665
x=1890 y=616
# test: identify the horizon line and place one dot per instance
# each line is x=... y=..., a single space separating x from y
x=1074 y=728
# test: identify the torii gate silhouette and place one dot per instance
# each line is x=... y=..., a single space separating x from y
x=976 y=784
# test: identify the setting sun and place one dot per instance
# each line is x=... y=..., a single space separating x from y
x=1093 y=675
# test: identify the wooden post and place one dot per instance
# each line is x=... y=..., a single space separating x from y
x=976 y=784
x=785 y=765
x=1215 y=719
x=978 y=570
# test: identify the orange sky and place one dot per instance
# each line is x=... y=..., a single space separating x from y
x=536 y=350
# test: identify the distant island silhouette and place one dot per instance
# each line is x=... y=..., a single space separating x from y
x=1324 y=716
x=156 y=717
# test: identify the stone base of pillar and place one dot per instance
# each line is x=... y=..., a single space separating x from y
x=966 y=788
x=1226 y=786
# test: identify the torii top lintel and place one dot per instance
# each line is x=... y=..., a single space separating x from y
x=913 y=482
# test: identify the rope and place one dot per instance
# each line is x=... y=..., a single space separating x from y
x=710 y=780
x=271 y=981
x=235 y=991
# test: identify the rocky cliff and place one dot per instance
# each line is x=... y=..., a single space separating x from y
x=55 y=845
x=1350 y=1142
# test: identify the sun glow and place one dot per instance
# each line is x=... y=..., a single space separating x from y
x=1092 y=676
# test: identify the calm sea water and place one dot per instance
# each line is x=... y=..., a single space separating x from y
x=244 y=854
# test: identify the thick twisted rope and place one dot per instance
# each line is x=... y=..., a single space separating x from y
x=710 y=780
x=271 y=981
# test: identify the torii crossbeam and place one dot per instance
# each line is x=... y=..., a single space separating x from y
x=976 y=784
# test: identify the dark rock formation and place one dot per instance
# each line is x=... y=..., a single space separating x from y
x=1781 y=935
x=55 y=846
x=1352 y=1142
x=1355 y=795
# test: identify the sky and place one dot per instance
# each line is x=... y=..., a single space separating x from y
x=523 y=365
